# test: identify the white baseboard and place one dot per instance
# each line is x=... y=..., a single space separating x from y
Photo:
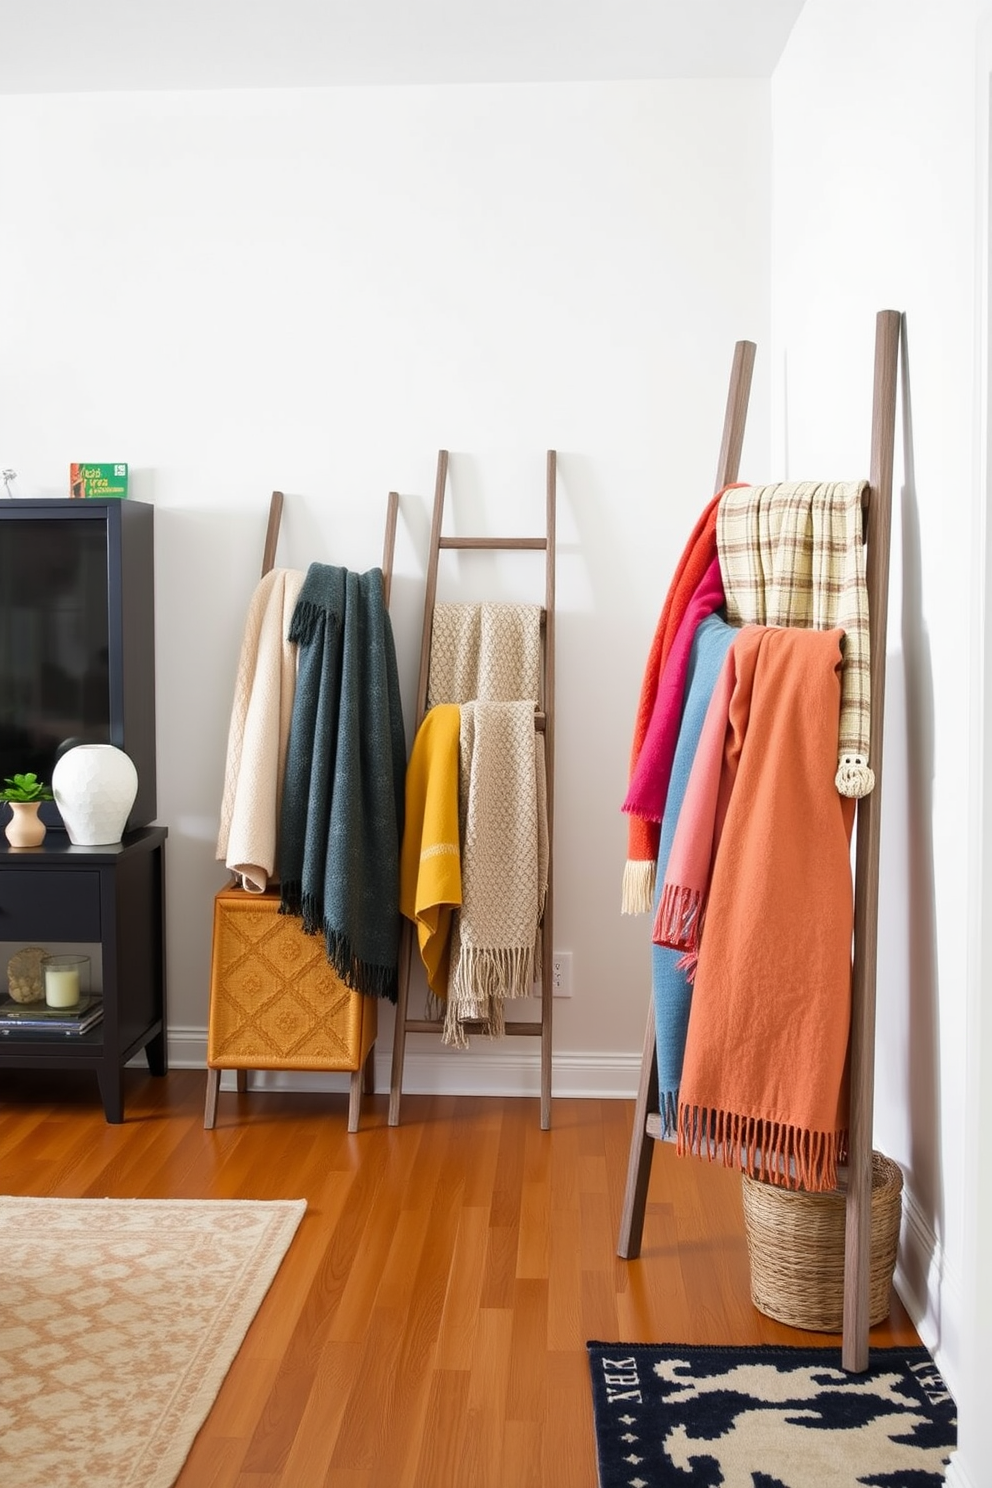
x=919 y=1270
x=502 y=1068
x=930 y=1292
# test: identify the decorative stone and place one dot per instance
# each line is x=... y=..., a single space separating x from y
x=94 y=786
x=25 y=979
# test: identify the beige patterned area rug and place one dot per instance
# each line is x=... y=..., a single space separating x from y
x=119 y=1319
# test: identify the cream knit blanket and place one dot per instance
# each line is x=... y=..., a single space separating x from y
x=504 y=842
x=259 y=731
x=485 y=651
x=793 y=554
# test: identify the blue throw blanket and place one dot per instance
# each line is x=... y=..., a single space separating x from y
x=671 y=988
x=342 y=805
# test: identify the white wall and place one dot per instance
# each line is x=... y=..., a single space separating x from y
x=877 y=204
x=314 y=290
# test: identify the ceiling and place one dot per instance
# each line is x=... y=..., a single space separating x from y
x=58 y=46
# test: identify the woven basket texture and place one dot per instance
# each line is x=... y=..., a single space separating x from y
x=795 y=1244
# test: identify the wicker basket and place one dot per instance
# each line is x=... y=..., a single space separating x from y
x=795 y=1243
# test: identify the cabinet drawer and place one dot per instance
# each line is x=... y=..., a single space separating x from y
x=50 y=905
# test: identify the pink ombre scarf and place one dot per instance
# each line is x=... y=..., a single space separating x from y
x=649 y=782
x=682 y=902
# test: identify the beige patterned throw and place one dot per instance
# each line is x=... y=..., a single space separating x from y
x=485 y=651
x=793 y=554
x=503 y=812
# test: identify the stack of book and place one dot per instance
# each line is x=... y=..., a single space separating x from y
x=36 y=1018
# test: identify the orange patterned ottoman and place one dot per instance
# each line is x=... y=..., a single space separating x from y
x=275 y=1003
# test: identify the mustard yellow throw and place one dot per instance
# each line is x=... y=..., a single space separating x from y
x=430 y=858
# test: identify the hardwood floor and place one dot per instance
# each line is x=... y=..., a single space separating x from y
x=427 y=1328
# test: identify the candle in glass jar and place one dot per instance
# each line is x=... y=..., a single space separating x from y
x=61 y=986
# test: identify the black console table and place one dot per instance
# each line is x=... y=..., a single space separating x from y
x=113 y=896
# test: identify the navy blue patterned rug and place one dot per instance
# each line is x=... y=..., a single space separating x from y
x=768 y=1417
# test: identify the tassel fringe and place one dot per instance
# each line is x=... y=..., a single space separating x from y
x=687 y=964
x=770 y=1151
x=669 y=1114
x=307 y=618
x=435 y=1007
x=854 y=777
x=637 y=892
x=679 y=921
x=481 y=983
x=453 y=1034
x=290 y=897
x=360 y=976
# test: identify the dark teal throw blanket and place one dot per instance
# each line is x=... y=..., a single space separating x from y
x=342 y=804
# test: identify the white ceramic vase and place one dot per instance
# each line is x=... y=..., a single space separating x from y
x=94 y=786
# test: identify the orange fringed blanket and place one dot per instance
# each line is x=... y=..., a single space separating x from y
x=765 y=1080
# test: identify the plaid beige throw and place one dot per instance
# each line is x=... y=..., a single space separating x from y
x=793 y=554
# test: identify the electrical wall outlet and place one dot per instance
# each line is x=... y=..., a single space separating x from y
x=561 y=973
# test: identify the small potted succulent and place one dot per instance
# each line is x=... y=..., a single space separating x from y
x=25 y=794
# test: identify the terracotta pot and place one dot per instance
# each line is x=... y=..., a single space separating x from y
x=24 y=829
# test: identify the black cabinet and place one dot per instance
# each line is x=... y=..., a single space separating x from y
x=113 y=897
x=77 y=637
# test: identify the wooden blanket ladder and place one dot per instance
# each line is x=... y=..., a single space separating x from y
x=535 y=1027
x=647 y=1119
x=252 y=1054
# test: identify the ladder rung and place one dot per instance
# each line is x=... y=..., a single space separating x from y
x=507 y=543
x=430 y=1025
x=540 y=722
